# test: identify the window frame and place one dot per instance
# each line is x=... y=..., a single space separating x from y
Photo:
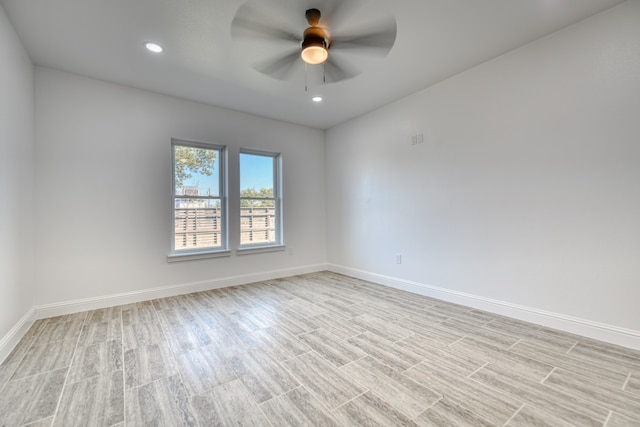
x=209 y=251
x=278 y=243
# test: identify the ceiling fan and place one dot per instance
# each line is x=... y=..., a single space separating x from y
x=338 y=39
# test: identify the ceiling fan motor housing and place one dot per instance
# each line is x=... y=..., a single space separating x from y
x=314 y=36
x=314 y=41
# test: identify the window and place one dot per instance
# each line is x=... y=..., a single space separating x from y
x=260 y=199
x=199 y=199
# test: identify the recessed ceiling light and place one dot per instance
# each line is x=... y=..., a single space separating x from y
x=317 y=99
x=153 y=47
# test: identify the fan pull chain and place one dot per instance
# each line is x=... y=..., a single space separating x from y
x=305 y=77
x=324 y=72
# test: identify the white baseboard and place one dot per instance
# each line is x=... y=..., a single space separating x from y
x=587 y=328
x=84 y=304
x=9 y=341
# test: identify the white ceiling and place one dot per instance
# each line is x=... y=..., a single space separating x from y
x=436 y=39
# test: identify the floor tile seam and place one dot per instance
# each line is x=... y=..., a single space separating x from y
x=549 y=374
x=353 y=380
x=478 y=370
x=606 y=404
x=162 y=328
x=486 y=323
x=429 y=407
x=59 y=341
x=582 y=402
x=626 y=381
x=551 y=359
x=458 y=340
x=170 y=351
x=400 y=373
x=124 y=377
x=189 y=402
x=513 y=345
x=33 y=340
x=563 y=422
x=633 y=417
x=366 y=390
x=341 y=368
x=631 y=366
x=609 y=388
x=66 y=377
x=38 y=420
x=259 y=406
x=463 y=404
x=374 y=358
x=99 y=375
x=608 y=419
x=501 y=331
x=506 y=336
x=403 y=372
x=573 y=365
x=400 y=410
x=157 y=380
x=3 y=385
x=403 y=338
x=67 y=367
x=514 y=415
x=608 y=348
x=396 y=347
x=571 y=348
x=282 y=365
x=277 y=396
x=191 y=394
x=509 y=395
x=132 y=389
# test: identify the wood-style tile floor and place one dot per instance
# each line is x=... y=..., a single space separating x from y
x=320 y=349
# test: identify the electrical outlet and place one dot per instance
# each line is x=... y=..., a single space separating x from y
x=417 y=138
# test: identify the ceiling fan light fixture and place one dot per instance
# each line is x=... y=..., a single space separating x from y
x=314 y=54
x=314 y=42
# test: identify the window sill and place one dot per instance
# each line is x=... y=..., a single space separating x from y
x=189 y=256
x=259 y=249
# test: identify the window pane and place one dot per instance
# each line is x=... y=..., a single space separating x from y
x=257 y=222
x=257 y=174
x=196 y=171
x=259 y=199
x=197 y=224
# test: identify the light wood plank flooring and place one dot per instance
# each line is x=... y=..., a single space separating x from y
x=319 y=349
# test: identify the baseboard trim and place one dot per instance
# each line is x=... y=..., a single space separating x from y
x=11 y=339
x=84 y=304
x=584 y=327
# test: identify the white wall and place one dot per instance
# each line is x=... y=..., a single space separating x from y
x=102 y=147
x=526 y=189
x=16 y=185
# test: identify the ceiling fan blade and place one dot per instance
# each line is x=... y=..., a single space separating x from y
x=377 y=43
x=337 y=14
x=336 y=70
x=280 y=67
x=249 y=28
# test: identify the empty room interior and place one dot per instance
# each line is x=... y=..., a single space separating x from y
x=320 y=212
